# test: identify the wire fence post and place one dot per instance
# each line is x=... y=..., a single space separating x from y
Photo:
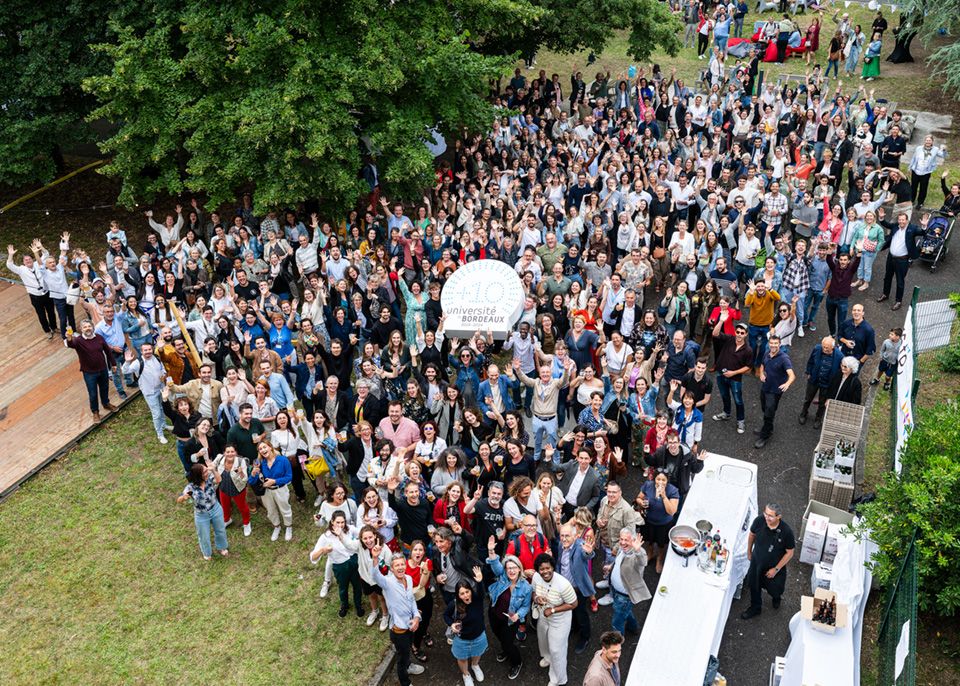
x=901 y=608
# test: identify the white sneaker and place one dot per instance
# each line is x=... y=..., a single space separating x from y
x=544 y=662
x=605 y=600
x=288 y=534
x=247 y=529
x=384 y=622
x=163 y=439
x=603 y=583
x=318 y=501
x=414 y=668
x=325 y=589
x=477 y=672
x=467 y=680
x=228 y=522
x=372 y=617
x=741 y=427
x=276 y=533
x=800 y=331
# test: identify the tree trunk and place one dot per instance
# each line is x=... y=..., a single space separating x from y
x=901 y=51
x=57 y=154
x=906 y=32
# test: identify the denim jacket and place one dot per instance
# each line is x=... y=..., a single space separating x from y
x=522 y=592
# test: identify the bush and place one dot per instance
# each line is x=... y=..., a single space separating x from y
x=925 y=497
x=949 y=359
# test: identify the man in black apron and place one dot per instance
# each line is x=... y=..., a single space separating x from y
x=770 y=547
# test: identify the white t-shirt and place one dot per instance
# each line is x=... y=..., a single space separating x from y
x=616 y=361
x=512 y=508
x=747 y=248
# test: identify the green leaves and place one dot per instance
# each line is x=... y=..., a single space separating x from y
x=281 y=99
x=925 y=497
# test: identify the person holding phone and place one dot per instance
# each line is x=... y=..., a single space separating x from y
x=202 y=482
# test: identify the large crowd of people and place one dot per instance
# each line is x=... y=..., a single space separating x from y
x=672 y=243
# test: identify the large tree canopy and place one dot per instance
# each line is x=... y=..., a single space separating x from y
x=285 y=97
x=930 y=19
x=44 y=57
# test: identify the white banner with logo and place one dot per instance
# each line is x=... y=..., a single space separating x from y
x=904 y=397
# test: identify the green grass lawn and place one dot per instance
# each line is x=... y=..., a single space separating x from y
x=101 y=582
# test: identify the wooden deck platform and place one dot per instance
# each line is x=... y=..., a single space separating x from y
x=43 y=400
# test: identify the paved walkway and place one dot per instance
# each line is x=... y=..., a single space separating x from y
x=748 y=647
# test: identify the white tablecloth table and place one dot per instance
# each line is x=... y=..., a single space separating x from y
x=822 y=659
x=684 y=627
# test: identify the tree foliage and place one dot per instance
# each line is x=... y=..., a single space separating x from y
x=284 y=98
x=572 y=25
x=931 y=19
x=925 y=497
x=44 y=57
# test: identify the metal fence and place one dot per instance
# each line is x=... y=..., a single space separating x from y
x=897 y=636
x=934 y=326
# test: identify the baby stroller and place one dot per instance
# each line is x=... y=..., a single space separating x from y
x=934 y=245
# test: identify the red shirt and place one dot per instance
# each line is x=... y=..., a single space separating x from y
x=94 y=353
x=413 y=571
x=440 y=514
x=527 y=551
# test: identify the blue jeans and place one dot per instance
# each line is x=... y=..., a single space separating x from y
x=541 y=427
x=117 y=377
x=812 y=302
x=726 y=387
x=757 y=336
x=836 y=313
x=205 y=520
x=623 y=613
x=97 y=382
x=184 y=457
x=155 y=403
x=865 y=270
x=744 y=272
x=835 y=64
x=786 y=295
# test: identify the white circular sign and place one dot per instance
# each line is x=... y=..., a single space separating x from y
x=485 y=295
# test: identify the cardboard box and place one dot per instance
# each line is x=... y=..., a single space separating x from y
x=821 y=576
x=809 y=607
x=814 y=538
x=822 y=507
x=831 y=543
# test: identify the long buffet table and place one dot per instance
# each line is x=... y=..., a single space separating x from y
x=685 y=624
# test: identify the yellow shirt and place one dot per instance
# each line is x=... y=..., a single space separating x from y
x=761 y=307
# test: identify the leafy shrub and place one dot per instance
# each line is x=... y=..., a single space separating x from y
x=925 y=497
x=949 y=359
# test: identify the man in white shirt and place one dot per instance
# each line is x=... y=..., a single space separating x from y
x=55 y=281
x=110 y=328
x=149 y=374
x=32 y=278
x=554 y=598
